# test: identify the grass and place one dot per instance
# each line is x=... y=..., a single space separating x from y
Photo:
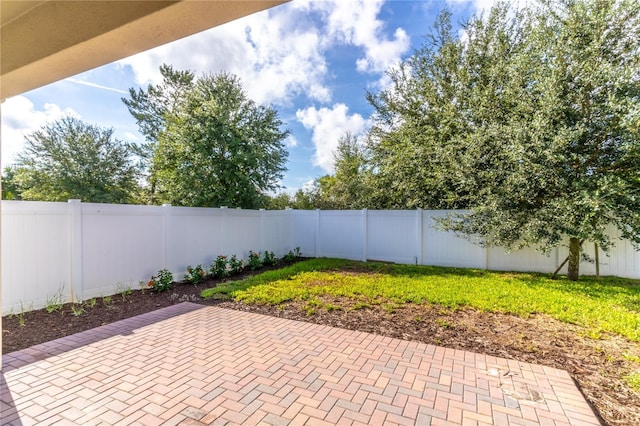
x=633 y=380
x=607 y=304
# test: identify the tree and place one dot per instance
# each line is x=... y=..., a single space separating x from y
x=209 y=144
x=350 y=186
x=347 y=188
x=150 y=108
x=10 y=190
x=302 y=199
x=533 y=121
x=417 y=121
x=72 y=159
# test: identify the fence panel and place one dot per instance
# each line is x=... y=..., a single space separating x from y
x=303 y=229
x=35 y=254
x=392 y=236
x=444 y=248
x=526 y=259
x=341 y=234
x=195 y=237
x=121 y=246
x=276 y=231
x=242 y=232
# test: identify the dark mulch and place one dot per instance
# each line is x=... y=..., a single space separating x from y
x=596 y=365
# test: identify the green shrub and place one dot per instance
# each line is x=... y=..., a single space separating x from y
x=162 y=281
x=235 y=265
x=268 y=258
x=254 y=261
x=195 y=275
x=220 y=267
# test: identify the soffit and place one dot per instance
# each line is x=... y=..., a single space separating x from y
x=45 y=41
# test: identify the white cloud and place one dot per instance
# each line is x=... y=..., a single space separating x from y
x=309 y=185
x=131 y=137
x=328 y=126
x=291 y=141
x=20 y=118
x=483 y=6
x=355 y=22
x=275 y=53
x=280 y=53
x=478 y=5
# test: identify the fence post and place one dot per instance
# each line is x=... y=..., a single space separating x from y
x=289 y=212
x=419 y=236
x=166 y=232
x=365 y=216
x=317 y=240
x=486 y=257
x=76 y=289
x=262 y=237
x=223 y=211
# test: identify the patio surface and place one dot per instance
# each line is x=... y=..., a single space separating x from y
x=192 y=364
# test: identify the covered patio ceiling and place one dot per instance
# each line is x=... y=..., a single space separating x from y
x=46 y=41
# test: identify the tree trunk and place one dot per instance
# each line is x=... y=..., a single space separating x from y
x=573 y=270
x=597 y=261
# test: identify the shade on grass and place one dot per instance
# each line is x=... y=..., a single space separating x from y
x=607 y=304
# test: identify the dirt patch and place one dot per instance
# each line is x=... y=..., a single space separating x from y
x=597 y=365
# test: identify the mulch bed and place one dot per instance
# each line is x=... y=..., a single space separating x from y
x=597 y=365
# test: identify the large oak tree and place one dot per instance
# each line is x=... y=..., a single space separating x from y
x=531 y=121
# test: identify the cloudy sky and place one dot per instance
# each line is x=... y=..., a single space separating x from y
x=311 y=60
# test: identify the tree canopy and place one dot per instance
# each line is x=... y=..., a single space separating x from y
x=72 y=159
x=530 y=119
x=210 y=145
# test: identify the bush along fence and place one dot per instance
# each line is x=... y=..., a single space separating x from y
x=84 y=250
x=221 y=268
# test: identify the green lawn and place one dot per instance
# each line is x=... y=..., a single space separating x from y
x=607 y=304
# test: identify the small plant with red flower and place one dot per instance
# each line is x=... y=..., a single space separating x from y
x=161 y=281
x=220 y=267
x=195 y=275
x=235 y=265
x=254 y=262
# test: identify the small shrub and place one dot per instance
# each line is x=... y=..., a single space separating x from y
x=123 y=290
x=77 y=310
x=292 y=255
x=268 y=258
x=22 y=320
x=162 y=281
x=235 y=265
x=195 y=275
x=55 y=302
x=254 y=261
x=220 y=267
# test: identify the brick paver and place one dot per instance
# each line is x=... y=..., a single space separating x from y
x=194 y=364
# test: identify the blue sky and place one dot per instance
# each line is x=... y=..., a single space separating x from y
x=311 y=60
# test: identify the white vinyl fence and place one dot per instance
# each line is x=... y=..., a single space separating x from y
x=82 y=250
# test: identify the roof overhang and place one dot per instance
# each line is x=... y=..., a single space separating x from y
x=45 y=41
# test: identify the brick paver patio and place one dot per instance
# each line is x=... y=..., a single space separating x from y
x=194 y=364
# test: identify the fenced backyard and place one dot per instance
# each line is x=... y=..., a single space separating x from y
x=80 y=250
